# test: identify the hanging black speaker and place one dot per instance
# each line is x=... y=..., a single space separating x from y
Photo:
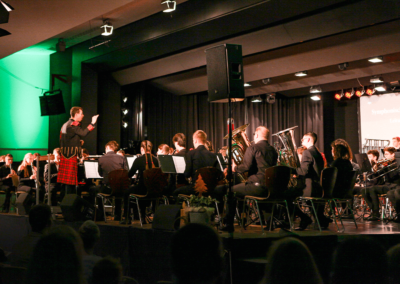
x=225 y=73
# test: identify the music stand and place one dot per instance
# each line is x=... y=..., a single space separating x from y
x=363 y=162
x=130 y=160
x=92 y=169
x=172 y=164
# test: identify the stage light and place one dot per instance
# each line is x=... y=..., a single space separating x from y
x=316 y=98
x=301 y=74
x=256 y=99
x=338 y=95
x=349 y=93
x=376 y=59
x=380 y=87
x=125 y=111
x=171 y=5
x=247 y=85
x=359 y=92
x=370 y=91
x=124 y=122
x=315 y=89
x=376 y=80
x=125 y=99
x=266 y=81
x=343 y=66
x=107 y=28
x=271 y=98
x=7 y=6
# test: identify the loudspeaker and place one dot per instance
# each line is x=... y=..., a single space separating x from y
x=225 y=73
x=166 y=217
x=24 y=203
x=52 y=105
x=74 y=208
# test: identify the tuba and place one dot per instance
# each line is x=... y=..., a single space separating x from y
x=240 y=143
x=288 y=155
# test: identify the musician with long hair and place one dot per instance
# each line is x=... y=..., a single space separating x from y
x=392 y=179
x=53 y=187
x=7 y=174
x=343 y=142
x=342 y=162
x=27 y=174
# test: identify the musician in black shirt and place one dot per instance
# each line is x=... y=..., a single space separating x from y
x=27 y=174
x=54 y=186
x=6 y=183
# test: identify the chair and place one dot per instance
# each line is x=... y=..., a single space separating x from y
x=276 y=180
x=210 y=176
x=119 y=182
x=327 y=182
x=155 y=181
x=349 y=181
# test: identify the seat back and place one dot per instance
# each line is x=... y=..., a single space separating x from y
x=277 y=180
x=328 y=181
x=348 y=183
x=155 y=181
x=119 y=181
x=207 y=180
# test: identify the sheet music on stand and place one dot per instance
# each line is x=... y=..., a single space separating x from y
x=172 y=164
x=91 y=169
x=130 y=160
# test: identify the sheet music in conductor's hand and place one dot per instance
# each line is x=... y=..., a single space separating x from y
x=180 y=164
x=91 y=169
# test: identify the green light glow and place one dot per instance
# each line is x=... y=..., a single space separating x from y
x=21 y=123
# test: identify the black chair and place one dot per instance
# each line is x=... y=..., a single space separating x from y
x=155 y=181
x=276 y=180
x=119 y=182
x=327 y=182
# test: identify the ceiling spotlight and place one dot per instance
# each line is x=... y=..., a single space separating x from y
x=124 y=122
x=316 y=98
x=7 y=6
x=339 y=95
x=370 y=91
x=271 y=98
x=266 y=81
x=376 y=80
x=301 y=74
x=315 y=89
x=349 y=93
x=256 y=99
x=171 y=5
x=343 y=66
x=376 y=59
x=107 y=28
x=247 y=85
x=125 y=111
x=359 y=92
x=125 y=99
x=380 y=87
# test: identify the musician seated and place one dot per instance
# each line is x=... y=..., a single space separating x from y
x=163 y=149
x=196 y=159
x=6 y=181
x=209 y=146
x=343 y=142
x=396 y=143
x=222 y=151
x=392 y=179
x=27 y=174
x=144 y=162
x=121 y=153
x=54 y=186
x=107 y=163
x=257 y=158
x=342 y=163
x=373 y=156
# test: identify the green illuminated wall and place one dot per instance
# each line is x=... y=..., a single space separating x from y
x=22 y=129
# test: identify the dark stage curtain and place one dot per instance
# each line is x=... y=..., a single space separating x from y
x=167 y=114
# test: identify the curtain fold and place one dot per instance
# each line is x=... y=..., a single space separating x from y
x=165 y=114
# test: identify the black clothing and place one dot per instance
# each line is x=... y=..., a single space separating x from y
x=54 y=186
x=53 y=172
x=6 y=185
x=176 y=180
x=311 y=167
x=344 y=167
x=4 y=172
x=25 y=183
x=109 y=162
x=197 y=159
x=70 y=138
x=140 y=165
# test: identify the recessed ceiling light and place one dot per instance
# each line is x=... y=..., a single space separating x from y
x=376 y=59
x=301 y=74
x=380 y=88
x=247 y=85
x=316 y=98
x=256 y=99
x=376 y=79
x=315 y=89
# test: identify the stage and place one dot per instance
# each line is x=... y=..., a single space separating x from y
x=144 y=252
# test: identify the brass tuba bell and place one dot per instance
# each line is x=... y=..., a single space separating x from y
x=240 y=143
x=288 y=156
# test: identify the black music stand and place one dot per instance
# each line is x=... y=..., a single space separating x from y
x=363 y=162
x=172 y=164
